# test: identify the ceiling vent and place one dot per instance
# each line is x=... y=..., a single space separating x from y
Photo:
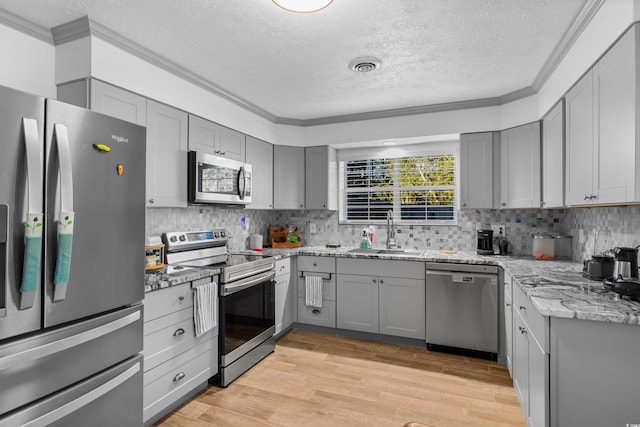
x=365 y=64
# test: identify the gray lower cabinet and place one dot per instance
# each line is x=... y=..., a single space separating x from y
x=530 y=362
x=391 y=301
x=508 y=319
x=176 y=362
x=284 y=295
x=324 y=267
x=357 y=303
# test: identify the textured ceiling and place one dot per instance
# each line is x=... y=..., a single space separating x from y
x=296 y=65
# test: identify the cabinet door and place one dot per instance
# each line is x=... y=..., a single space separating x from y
x=615 y=87
x=231 y=144
x=538 y=385
x=553 y=157
x=521 y=362
x=402 y=307
x=118 y=103
x=288 y=177
x=520 y=167
x=579 y=142
x=166 y=156
x=357 y=303
x=476 y=170
x=259 y=155
x=203 y=135
x=283 y=302
x=508 y=326
x=320 y=178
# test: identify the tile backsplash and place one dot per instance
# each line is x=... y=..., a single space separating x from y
x=593 y=229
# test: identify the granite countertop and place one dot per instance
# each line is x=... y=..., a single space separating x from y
x=555 y=288
x=159 y=279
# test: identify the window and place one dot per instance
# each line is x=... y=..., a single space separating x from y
x=416 y=188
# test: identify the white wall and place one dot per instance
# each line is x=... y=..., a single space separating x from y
x=123 y=69
x=26 y=63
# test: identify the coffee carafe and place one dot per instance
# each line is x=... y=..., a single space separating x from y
x=626 y=262
x=485 y=242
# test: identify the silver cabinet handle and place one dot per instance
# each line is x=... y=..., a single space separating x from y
x=464 y=204
x=508 y=304
x=324 y=205
x=315 y=311
x=181 y=298
x=223 y=153
x=46 y=350
x=178 y=332
x=179 y=376
x=301 y=205
x=152 y=201
x=503 y=204
x=523 y=308
x=522 y=330
x=373 y=280
x=381 y=282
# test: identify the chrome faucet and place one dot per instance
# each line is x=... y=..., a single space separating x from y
x=391 y=234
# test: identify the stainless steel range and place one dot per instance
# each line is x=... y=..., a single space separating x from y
x=247 y=297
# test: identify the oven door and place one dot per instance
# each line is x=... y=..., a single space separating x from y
x=214 y=179
x=247 y=315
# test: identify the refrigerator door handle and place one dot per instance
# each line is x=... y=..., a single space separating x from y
x=33 y=225
x=66 y=216
x=58 y=346
x=82 y=401
x=4 y=252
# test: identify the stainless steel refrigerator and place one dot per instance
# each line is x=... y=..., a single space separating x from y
x=71 y=265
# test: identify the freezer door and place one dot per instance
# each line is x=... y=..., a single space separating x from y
x=20 y=312
x=95 y=183
x=111 y=398
x=34 y=367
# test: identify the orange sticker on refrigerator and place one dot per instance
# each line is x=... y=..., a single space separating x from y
x=119 y=169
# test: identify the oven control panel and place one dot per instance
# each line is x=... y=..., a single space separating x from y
x=185 y=240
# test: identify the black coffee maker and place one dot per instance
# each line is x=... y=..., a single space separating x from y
x=485 y=242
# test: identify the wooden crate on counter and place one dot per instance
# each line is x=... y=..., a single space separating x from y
x=278 y=237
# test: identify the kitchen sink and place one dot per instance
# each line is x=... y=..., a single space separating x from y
x=385 y=251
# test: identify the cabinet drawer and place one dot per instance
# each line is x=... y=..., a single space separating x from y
x=174 y=338
x=537 y=323
x=170 y=381
x=328 y=288
x=317 y=264
x=325 y=316
x=283 y=266
x=165 y=301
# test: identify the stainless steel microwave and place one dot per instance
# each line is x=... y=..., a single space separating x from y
x=214 y=179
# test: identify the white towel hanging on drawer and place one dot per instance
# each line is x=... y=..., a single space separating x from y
x=313 y=291
x=205 y=307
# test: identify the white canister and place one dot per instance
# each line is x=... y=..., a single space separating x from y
x=255 y=241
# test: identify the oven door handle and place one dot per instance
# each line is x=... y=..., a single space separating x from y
x=239 y=285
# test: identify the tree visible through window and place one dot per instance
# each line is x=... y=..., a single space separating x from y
x=414 y=188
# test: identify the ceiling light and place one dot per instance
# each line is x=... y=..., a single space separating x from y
x=303 y=6
x=364 y=64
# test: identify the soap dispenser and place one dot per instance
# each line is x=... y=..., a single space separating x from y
x=364 y=243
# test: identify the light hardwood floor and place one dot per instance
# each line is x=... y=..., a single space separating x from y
x=316 y=379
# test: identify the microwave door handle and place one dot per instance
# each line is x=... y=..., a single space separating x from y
x=66 y=216
x=33 y=225
x=4 y=267
x=242 y=177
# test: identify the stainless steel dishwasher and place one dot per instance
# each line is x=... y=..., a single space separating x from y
x=462 y=309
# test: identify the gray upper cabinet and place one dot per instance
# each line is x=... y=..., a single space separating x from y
x=209 y=137
x=602 y=157
x=553 y=157
x=106 y=99
x=259 y=154
x=321 y=178
x=288 y=177
x=166 y=156
x=520 y=167
x=476 y=170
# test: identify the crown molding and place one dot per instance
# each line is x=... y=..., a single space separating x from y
x=27 y=27
x=567 y=41
x=84 y=27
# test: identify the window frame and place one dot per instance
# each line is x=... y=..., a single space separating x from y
x=429 y=149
